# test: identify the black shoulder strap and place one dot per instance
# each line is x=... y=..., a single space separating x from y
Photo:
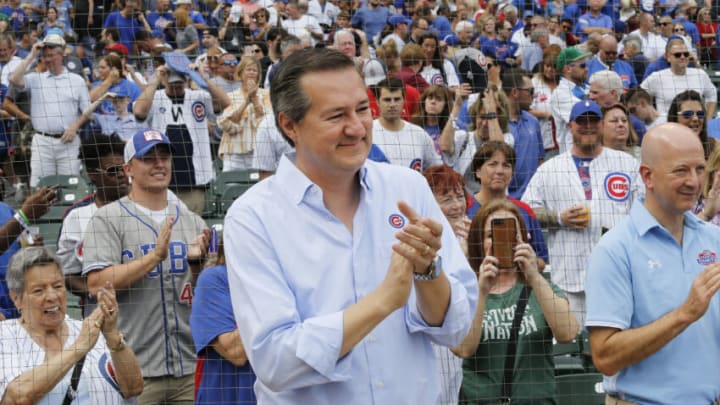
x=71 y=393
x=512 y=343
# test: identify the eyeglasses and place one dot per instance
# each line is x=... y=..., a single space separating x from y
x=688 y=114
x=111 y=171
x=581 y=65
x=230 y=62
x=679 y=30
x=257 y=50
x=681 y=54
x=610 y=52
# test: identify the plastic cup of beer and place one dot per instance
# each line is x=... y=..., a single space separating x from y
x=584 y=214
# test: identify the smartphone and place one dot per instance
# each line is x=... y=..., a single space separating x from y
x=503 y=233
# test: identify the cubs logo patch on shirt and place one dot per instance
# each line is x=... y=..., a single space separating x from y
x=396 y=221
x=416 y=165
x=617 y=186
x=706 y=257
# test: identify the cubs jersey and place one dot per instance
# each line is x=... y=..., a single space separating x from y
x=410 y=147
x=186 y=125
x=615 y=182
x=154 y=311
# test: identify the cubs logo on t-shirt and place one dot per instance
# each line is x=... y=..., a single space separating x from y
x=198 y=111
x=617 y=186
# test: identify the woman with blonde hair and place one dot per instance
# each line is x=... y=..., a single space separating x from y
x=186 y=35
x=708 y=206
x=240 y=120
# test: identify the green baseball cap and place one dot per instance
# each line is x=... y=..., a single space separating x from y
x=570 y=55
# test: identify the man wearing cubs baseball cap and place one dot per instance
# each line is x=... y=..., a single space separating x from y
x=145 y=243
x=580 y=194
x=142 y=142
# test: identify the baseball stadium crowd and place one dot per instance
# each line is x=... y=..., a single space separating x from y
x=173 y=229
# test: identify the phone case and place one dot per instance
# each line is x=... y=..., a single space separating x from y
x=503 y=241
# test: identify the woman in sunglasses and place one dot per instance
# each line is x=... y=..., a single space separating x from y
x=240 y=120
x=688 y=108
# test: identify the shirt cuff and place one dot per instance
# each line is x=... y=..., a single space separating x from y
x=319 y=346
x=457 y=319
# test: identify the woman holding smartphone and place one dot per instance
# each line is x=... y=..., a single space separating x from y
x=546 y=315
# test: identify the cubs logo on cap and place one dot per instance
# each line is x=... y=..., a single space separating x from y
x=416 y=165
x=142 y=142
x=617 y=186
x=397 y=221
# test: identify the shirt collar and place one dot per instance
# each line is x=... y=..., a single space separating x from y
x=644 y=221
x=298 y=185
x=49 y=74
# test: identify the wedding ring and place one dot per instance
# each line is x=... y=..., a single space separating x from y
x=98 y=324
x=426 y=250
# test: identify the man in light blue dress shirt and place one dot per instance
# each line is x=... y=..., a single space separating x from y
x=653 y=309
x=340 y=271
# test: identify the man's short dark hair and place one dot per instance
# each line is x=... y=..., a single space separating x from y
x=391 y=84
x=513 y=79
x=288 y=96
x=143 y=35
x=98 y=146
x=113 y=32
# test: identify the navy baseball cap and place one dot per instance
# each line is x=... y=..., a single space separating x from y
x=142 y=142
x=585 y=107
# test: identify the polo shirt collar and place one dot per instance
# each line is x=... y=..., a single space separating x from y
x=644 y=221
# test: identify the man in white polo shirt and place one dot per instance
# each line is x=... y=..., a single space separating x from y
x=58 y=98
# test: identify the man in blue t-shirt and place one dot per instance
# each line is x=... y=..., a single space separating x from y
x=371 y=19
x=525 y=128
x=128 y=21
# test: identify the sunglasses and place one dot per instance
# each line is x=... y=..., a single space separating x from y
x=681 y=54
x=581 y=65
x=230 y=62
x=111 y=171
x=665 y=23
x=679 y=30
x=257 y=50
x=690 y=113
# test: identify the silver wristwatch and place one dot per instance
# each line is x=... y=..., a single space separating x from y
x=433 y=271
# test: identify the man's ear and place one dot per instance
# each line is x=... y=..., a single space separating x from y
x=288 y=126
x=646 y=176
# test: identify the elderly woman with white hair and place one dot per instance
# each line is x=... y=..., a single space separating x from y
x=48 y=358
x=606 y=87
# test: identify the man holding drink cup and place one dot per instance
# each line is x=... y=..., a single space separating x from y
x=566 y=189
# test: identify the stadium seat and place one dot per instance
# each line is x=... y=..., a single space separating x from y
x=231 y=193
x=71 y=188
x=571 y=358
x=225 y=179
x=50 y=232
x=585 y=389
